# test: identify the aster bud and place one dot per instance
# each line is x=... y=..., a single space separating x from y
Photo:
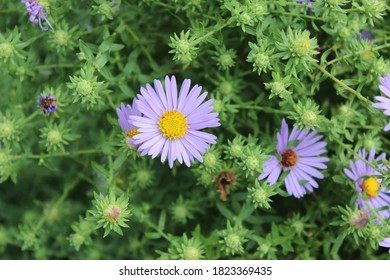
x=260 y=56
x=226 y=87
x=233 y=239
x=62 y=38
x=211 y=159
x=186 y=249
x=181 y=210
x=235 y=148
x=56 y=136
x=6 y=51
x=87 y=90
x=225 y=58
x=279 y=86
x=9 y=129
x=260 y=195
x=183 y=47
x=307 y=114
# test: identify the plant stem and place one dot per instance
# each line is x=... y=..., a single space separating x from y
x=356 y=53
x=136 y=39
x=340 y=83
x=260 y=108
x=60 y=154
x=153 y=226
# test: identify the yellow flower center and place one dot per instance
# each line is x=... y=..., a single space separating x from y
x=173 y=124
x=132 y=132
x=371 y=186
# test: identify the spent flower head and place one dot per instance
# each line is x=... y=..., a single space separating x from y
x=170 y=123
x=224 y=181
x=110 y=212
x=47 y=103
x=36 y=10
x=299 y=156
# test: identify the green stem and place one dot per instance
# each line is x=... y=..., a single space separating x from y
x=153 y=226
x=372 y=209
x=137 y=41
x=299 y=15
x=341 y=143
x=60 y=154
x=56 y=66
x=356 y=53
x=7 y=11
x=260 y=108
x=215 y=30
x=340 y=83
x=174 y=8
x=31 y=117
x=111 y=102
x=57 y=203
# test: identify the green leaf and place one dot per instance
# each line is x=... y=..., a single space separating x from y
x=99 y=169
x=119 y=161
x=245 y=212
x=161 y=220
x=86 y=49
x=152 y=235
x=337 y=245
x=224 y=211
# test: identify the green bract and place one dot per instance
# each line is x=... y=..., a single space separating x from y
x=110 y=213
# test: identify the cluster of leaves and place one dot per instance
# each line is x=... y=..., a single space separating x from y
x=66 y=174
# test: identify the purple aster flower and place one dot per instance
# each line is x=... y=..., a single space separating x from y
x=366 y=35
x=385 y=243
x=48 y=103
x=124 y=112
x=368 y=179
x=171 y=123
x=308 y=2
x=35 y=10
x=384 y=102
x=298 y=154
